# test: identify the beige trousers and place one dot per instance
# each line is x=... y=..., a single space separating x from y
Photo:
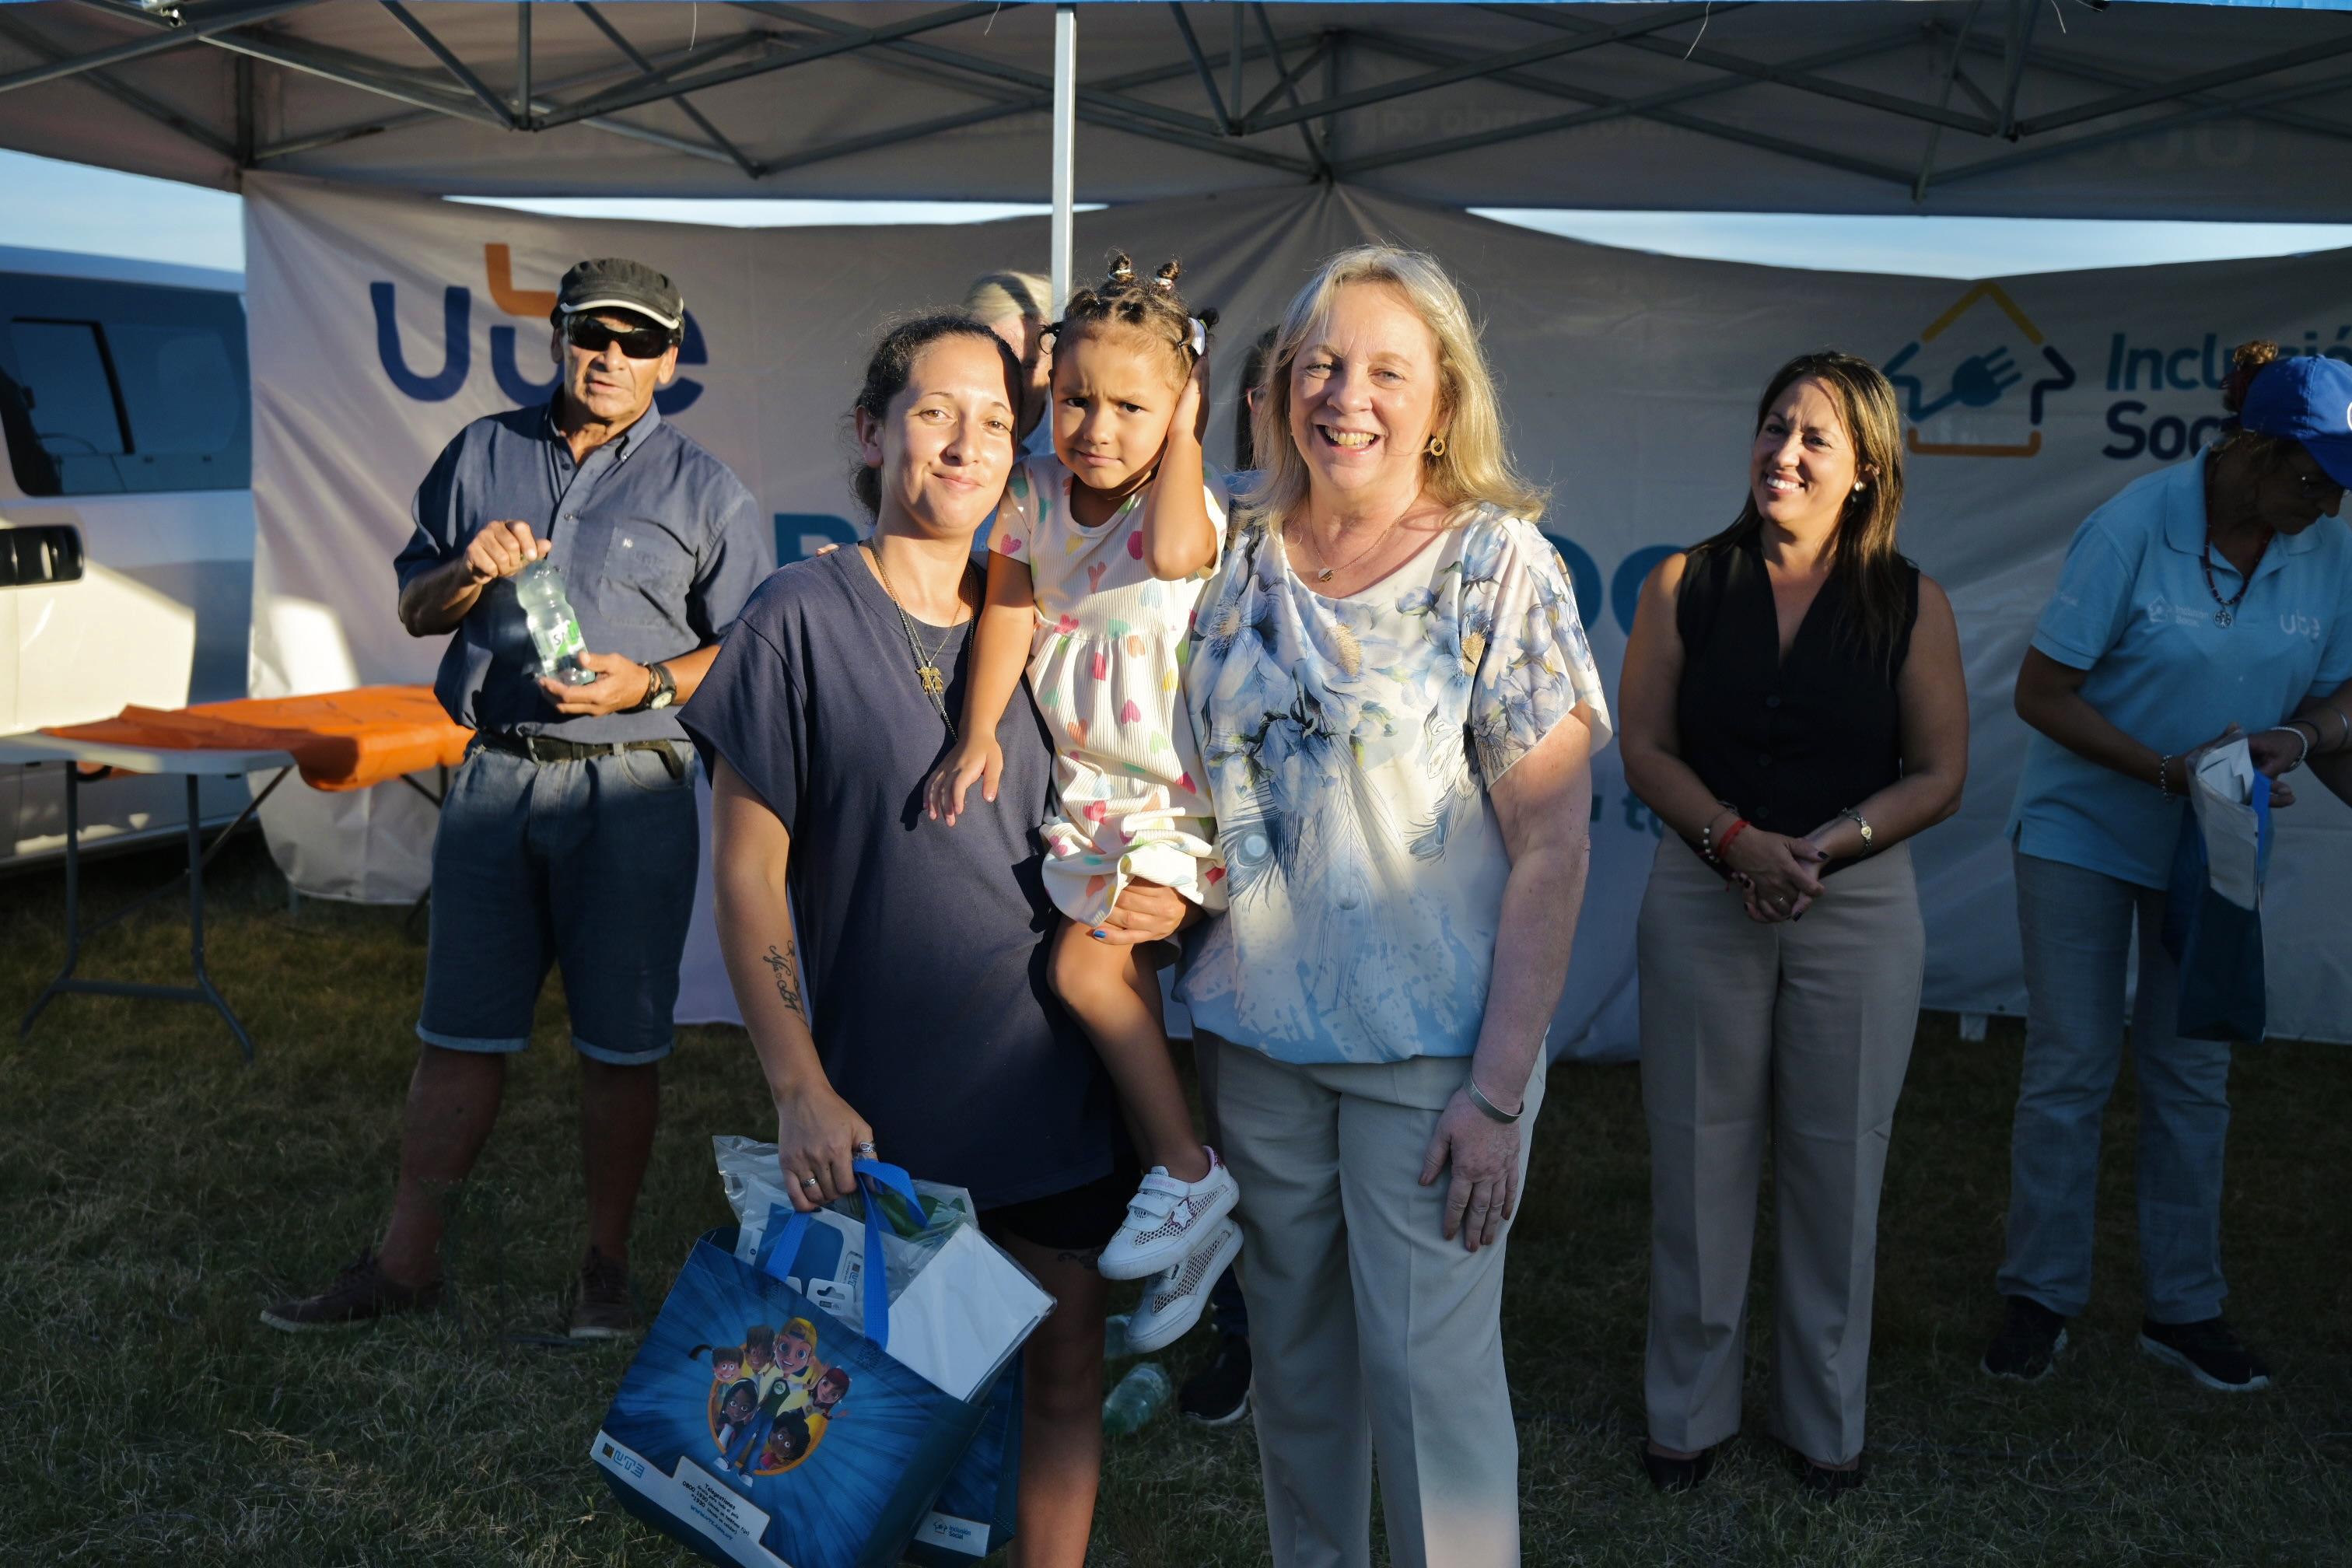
x=1370 y=1335
x=1803 y=1029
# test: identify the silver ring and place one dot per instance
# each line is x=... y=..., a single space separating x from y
x=865 y=1149
x=812 y=1184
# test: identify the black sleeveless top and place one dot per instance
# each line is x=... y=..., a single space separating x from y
x=1789 y=742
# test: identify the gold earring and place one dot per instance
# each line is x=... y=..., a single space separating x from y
x=1436 y=448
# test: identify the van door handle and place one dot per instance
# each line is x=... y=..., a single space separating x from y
x=35 y=557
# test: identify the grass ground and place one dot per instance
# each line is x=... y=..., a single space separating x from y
x=154 y=1193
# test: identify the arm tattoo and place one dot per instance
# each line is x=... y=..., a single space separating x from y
x=788 y=985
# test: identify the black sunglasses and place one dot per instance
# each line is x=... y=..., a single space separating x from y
x=637 y=343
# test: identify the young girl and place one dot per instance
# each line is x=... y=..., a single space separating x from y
x=1099 y=553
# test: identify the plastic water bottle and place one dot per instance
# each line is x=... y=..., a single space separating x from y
x=1136 y=1400
x=554 y=629
x=1115 y=1345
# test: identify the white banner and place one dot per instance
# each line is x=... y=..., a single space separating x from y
x=382 y=323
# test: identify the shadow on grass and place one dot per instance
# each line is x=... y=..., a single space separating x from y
x=154 y=1195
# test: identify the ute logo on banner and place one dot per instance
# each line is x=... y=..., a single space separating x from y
x=1980 y=381
x=506 y=356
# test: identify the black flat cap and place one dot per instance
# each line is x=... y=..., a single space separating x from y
x=615 y=283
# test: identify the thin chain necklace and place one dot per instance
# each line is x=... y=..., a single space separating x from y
x=926 y=665
x=1329 y=572
x=2228 y=613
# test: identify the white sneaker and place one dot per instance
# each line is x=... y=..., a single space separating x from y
x=1171 y=1303
x=1167 y=1219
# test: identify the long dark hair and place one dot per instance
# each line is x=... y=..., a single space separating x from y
x=892 y=365
x=1868 y=568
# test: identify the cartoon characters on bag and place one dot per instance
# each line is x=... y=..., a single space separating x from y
x=771 y=1398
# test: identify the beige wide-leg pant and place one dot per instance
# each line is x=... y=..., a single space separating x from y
x=1369 y=1332
x=1803 y=1029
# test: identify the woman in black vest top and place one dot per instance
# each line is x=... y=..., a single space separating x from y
x=1793 y=709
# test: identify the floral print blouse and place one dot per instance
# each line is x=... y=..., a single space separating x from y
x=1349 y=744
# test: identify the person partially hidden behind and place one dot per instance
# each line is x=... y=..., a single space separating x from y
x=568 y=835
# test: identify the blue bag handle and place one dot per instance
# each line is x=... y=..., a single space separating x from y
x=782 y=1243
x=2262 y=803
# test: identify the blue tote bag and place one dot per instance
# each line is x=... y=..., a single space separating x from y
x=2216 y=941
x=763 y=1431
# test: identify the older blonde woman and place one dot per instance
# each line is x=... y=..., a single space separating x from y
x=1397 y=711
x=1016 y=307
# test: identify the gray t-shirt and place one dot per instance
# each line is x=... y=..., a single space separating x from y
x=923 y=944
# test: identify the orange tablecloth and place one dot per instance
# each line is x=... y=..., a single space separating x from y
x=340 y=740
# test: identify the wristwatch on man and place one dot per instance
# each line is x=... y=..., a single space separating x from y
x=661 y=689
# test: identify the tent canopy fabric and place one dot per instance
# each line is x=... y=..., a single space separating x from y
x=2026 y=108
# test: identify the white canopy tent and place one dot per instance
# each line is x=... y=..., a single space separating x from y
x=2036 y=107
x=1373 y=116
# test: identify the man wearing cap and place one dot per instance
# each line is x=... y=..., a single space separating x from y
x=2208 y=597
x=568 y=835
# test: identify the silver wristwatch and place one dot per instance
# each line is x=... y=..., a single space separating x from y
x=1862 y=822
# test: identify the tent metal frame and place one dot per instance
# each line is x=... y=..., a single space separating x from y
x=788 y=34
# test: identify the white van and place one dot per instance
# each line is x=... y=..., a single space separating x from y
x=126 y=523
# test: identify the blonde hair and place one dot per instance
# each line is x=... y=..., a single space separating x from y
x=997 y=295
x=1476 y=468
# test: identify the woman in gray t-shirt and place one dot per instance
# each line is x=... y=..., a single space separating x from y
x=913 y=1017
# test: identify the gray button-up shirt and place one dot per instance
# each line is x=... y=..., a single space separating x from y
x=658 y=541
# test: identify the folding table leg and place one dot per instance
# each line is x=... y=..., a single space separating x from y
x=204 y=990
x=196 y=923
x=73 y=900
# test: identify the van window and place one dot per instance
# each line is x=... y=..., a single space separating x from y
x=111 y=387
x=180 y=391
x=69 y=401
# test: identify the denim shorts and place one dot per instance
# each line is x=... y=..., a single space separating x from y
x=589 y=865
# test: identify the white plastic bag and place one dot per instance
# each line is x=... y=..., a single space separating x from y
x=959 y=1305
x=2221 y=792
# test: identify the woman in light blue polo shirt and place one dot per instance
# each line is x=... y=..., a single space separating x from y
x=2207 y=595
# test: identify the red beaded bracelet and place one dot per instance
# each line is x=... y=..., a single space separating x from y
x=1723 y=846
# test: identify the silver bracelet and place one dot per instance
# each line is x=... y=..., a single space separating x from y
x=2290 y=730
x=1862 y=822
x=1494 y=1112
x=2163 y=774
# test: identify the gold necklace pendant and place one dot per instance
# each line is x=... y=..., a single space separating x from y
x=933 y=682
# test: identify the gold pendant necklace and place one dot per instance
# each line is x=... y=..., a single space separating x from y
x=927 y=662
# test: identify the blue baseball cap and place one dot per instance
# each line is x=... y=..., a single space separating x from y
x=2306 y=399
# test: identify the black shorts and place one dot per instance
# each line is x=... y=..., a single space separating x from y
x=1081 y=1219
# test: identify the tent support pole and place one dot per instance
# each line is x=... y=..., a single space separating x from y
x=156 y=43
x=1224 y=121
x=1098 y=95
x=114 y=87
x=241 y=87
x=1066 y=146
x=464 y=73
x=1936 y=132
x=1286 y=84
x=2022 y=16
x=2084 y=71
x=1652 y=106
x=2191 y=87
x=2246 y=106
x=385 y=123
x=636 y=57
x=522 y=61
